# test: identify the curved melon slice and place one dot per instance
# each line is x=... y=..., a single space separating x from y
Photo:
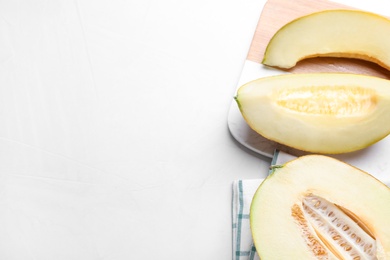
x=318 y=112
x=332 y=33
x=316 y=207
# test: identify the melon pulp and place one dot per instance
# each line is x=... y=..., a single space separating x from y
x=327 y=113
x=331 y=33
x=316 y=207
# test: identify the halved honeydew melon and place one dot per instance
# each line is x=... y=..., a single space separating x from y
x=328 y=113
x=331 y=33
x=316 y=207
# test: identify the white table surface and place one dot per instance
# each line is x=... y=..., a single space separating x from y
x=113 y=136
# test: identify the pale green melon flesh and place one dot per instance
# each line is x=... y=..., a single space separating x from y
x=334 y=33
x=279 y=234
x=321 y=112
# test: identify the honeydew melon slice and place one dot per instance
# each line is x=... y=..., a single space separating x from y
x=316 y=207
x=327 y=113
x=331 y=33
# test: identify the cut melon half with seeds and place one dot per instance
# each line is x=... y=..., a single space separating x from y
x=327 y=113
x=316 y=207
x=331 y=33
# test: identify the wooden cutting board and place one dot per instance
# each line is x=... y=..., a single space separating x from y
x=277 y=13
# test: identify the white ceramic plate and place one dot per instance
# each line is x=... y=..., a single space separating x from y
x=374 y=159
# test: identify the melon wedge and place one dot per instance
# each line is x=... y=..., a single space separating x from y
x=316 y=207
x=331 y=33
x=327 y=113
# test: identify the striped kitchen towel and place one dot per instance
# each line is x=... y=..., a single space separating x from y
x=243 y=191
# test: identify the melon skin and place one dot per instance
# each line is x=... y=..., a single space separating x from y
x=276 y=233
x=331 y=33
x=327 y=113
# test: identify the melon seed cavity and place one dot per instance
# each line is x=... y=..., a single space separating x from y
x=337 y=232
x=324 y=100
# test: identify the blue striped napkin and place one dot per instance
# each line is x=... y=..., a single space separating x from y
x=243 y=191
